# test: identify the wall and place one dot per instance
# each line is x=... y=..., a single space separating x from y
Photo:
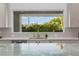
x=73 y=9
x=40 y=7
x=37 y=7
x=2 y=8
x=3 y=15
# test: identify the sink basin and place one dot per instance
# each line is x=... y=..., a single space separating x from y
x=37 y=38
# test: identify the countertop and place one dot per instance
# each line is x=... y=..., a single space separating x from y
x=49 y=38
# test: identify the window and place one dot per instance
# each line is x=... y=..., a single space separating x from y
x=44 y=21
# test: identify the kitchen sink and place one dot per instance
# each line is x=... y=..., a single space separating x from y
x=37 y=38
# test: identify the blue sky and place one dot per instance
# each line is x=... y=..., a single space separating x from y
x=36 y=19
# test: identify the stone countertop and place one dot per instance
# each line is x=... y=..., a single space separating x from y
x=49 y=38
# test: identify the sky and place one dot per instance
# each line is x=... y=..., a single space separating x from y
x=35 y=19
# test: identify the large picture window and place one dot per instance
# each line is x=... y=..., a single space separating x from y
x=41 y=22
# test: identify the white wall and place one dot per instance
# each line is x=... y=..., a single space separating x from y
x=40 y=7
x=37 y=7
x=3 y=15
x=73 y=9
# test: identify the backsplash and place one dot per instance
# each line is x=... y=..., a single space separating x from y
x=4 y=31
x=69 y=32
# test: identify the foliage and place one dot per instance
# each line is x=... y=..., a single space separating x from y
x=55 y=24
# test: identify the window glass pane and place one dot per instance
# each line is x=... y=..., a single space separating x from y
x=24 y=20
x=42 y=23
x=40 y=20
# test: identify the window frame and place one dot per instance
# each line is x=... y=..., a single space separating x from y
x=39 y=13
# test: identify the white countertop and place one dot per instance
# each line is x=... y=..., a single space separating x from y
x=49 y=38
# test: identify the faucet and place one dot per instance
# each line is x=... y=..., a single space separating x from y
x=38 y=35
